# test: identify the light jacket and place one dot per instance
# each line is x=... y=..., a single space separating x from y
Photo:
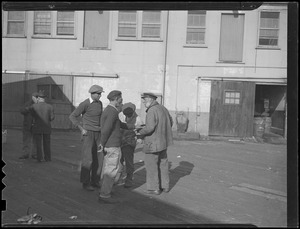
x=157 y=132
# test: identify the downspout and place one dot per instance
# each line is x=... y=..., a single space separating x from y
x=165 y=62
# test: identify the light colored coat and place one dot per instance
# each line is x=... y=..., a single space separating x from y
x=157 y=132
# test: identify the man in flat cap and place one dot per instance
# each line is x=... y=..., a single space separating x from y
x=90 y=110
x=157 y=135
x=29 y=146
x=129 y=140
x=110 y=143
x=43 y=114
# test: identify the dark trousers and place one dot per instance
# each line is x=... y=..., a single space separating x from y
x=127 y=156
x=29 y=145
x=92 y=161
x=42 y=140
x=157 y=170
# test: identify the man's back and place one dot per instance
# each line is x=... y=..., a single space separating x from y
x=43 y=114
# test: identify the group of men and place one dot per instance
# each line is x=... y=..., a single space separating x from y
x=109 y=139
x=38 y=116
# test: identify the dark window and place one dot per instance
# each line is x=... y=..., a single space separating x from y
x=52 y=91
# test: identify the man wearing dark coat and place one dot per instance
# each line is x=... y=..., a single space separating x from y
x=43 y=115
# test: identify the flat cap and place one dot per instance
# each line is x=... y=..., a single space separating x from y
x=148 y=95
x=113 y=94
x=35 y=94
x=127 y=107
x=96 y=89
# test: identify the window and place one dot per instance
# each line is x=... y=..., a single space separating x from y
x=96 y=29
x=127 y=23
x=139 y=24
x=15 y=23
x=232 y=97
x=269 y=29
x=54 y=23
x=52 y=91
x=196 y=27
x=151 y=24
x=232 y=37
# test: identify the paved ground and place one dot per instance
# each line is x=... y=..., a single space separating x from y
x=212 y=183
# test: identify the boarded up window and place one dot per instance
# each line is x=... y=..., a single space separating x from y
x=232 y=36
x=96 y=29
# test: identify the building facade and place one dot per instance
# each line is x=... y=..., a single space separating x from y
x=220 y=69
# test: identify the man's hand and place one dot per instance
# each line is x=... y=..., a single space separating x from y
x=83 y=131
x=139 y=127
x=100 y=148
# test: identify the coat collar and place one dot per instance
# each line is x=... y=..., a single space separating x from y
x=154 y=103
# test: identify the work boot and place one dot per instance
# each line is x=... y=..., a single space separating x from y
x=88 y=187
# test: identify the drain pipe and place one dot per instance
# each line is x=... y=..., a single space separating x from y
x=165 y=62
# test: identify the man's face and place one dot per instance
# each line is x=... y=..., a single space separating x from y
x=34 y=99
x=119 y=102
x=147 y=101
x=96 y=96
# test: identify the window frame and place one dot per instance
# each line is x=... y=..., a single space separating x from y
x=234 y=98
x=197 y=27
x=139 y=27
x=259 y=28
x=5 y=26
x=49 y=96
x=53 y=29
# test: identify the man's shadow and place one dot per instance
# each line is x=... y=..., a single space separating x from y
x=183 y=169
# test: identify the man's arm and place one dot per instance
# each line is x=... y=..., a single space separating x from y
x=25 y=109
x=75 y=114
x=107 y=124
x=151 y=123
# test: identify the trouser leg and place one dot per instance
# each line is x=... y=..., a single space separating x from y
x=38 y=140
x=128 y=153
x=33 y=145
x=85 y=174
x=26 y=142
x=110 y=170
x=151 y=164
x=47 y=147
x=164 y=169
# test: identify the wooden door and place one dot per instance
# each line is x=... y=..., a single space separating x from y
x=232 y=108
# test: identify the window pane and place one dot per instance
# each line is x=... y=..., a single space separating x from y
x=127 y=24
x=196 y=27
x=151 y=24
x=15 y=28
x=16 y=15
x=42 y=22
x=57 y=92
x=269 y=32
x=15 y=23
x=65 y=23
